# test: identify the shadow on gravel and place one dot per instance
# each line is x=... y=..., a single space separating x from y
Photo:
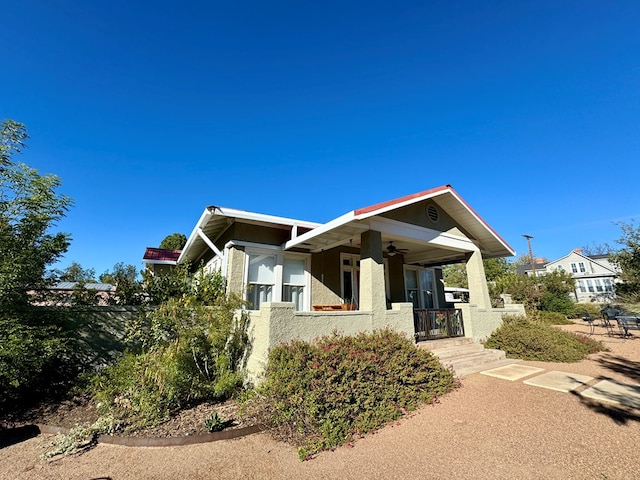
x=11 y=436
x=623 y=366
x=620 y=414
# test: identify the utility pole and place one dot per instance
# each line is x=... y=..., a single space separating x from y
x=533 y=262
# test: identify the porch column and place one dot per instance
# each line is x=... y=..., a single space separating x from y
x=478 y=290
x=372 y=289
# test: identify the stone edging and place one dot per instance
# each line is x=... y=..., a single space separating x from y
x=163 y=442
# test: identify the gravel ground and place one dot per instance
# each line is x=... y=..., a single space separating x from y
x=489 y=428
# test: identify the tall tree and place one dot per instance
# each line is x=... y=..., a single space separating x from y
x=175 y=241
x=76 y=273
x=29 y=208
x=627 y=258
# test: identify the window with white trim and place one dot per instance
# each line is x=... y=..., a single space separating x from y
x=350 y=270
x=274 y=277
x=294 y=281
x=574 y=268
x=260 y=279
x=582 y=269
x=581 y=286
x=608 y=285
x=590 y=285
x=599 y=287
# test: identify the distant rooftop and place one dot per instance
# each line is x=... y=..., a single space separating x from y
x=160 y=255
x=102 y=287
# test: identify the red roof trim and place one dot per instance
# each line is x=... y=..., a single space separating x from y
x=161 y=254
x=389 y=203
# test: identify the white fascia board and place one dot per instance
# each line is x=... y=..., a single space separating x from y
x=482 y=222
x=259 y=217
x=194 y=235
x=305 y=237
x=410 y=232
x=160 y=262
x=240 y=243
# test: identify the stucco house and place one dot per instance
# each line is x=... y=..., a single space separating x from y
x=595 y=275
x=371 y=268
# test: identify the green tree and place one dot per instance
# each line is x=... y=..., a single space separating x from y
x=175 y=241
x=129 y=290
x=75 y=273
x=34 y=352
x=30 y=207
x=627 y=258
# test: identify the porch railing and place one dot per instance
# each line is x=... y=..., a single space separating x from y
x=435 y=323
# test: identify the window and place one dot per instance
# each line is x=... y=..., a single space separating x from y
x=599 y=287
x=419 y=285
x=350 y=278
x=582 y=269
x=261 y=279
x=273 y=277
x=581 y=286
x=608 y=286
x=560 y=268
x=590 y=285
x=293 y=281
x=574 y=269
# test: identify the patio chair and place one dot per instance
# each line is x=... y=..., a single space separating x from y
x=589 y=319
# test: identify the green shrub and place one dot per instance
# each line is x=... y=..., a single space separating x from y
x=553 y=302
x=35 y=359
x=319 y=395
x=215 y=423
x=527 y=339
x=188 y=353
x=548 y=318
x=593 y=309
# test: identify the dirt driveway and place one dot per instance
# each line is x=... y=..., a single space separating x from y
x=489 y=428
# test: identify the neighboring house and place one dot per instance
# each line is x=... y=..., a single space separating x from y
x=65 y=293
x=595 y=275
x=158 y=260
x=371 y=268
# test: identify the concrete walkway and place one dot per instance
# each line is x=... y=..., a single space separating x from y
x=601 y=390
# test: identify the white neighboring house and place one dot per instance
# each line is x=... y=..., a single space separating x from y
x=595 y=275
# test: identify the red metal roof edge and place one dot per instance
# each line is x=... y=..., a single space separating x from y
x=153 y=253
x=431 y=191
x=396 y=201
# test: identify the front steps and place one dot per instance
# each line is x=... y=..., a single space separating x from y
x=464 y=356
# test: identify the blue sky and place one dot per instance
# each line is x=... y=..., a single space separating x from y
x=150 y=111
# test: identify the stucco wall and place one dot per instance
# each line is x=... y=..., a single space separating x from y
x=479 y=323
x=279 y=322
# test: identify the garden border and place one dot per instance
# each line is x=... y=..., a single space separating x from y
x=162 y=441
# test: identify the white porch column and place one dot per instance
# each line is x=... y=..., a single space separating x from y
x=478 y=290
x=372 y=289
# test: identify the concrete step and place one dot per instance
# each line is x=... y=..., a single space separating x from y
x=478 y=358
x=457 y=351
x=444 y=343
x=464 y=356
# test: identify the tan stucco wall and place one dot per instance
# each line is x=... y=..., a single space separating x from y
x=279 y=322
x=479 y=323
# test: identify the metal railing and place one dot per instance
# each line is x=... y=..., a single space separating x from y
x=435 y=323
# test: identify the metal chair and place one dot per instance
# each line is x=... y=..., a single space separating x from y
x=589 y=319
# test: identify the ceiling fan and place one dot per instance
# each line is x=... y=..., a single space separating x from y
x=392 y=250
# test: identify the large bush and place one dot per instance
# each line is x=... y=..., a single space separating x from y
x=185 y=353
x=526 y=339
x=319 y=395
